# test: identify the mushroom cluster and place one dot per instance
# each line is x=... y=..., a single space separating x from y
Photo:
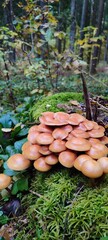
x=69 y=139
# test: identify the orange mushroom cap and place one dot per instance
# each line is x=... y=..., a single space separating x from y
x=43 y=128
x=97 y=151
x=80 y=133
x=25 y=145
x=49 y=116
x=32 y=152
x=68 y=128
x=92 y=169
x=97 y=133
x=18 y=162
x=44 y=150
x=59 y=133
x=88 y=124
x=51 y=159
x=61 y=116
x=4 y=181
x=44 y=138
x=32 y=137
x=41 y=165
x=75 y=119
x=104 y=163
x=33 y=128
x=78 y=144
x=94 y=141
x=53 y=122
x=80 y=160
x=57 y=146
x=67 y=158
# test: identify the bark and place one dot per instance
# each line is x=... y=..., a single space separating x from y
x=95 y=54
x=8 y=17
x=73 y=24
x=106 y=51
x=59 y=41
x=83 y=22
x=94 y=12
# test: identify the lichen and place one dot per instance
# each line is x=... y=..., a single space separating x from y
x=49 y=103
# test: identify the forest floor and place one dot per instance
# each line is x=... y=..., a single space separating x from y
x=9 y=230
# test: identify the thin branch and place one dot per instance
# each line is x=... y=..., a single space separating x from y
x=86 y=97
x=100 y=105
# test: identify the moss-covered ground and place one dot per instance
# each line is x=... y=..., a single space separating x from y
x=64 y=205
x=50 y=103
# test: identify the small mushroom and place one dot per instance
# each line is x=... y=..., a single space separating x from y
x=75 y=118
x=61 y=116
x=45 y=129
x=88 y=124
x=25 y=145
x=80 y=160
x=53 y=122
x=4 y=181
x=104 y=163
x=57 y=146
x=49 y=116
x=51 y=159
x=81 y=126
x=97 y=150
x=59 y=133
x=41 y=165
x=68 y=128
x=18 y=162
x=80 y=133
x=91 y=169
x=78 y=144
x=97 y=133
x=33 y=129
x=67 y=158
x=44 y=150
x=32 y=152
x=32 y=137
x=94 y=141
x=44 y=138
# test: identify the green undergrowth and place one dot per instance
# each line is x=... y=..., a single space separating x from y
x=63 y=205
x=50 y=103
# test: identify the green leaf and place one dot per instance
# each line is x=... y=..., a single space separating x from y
x=4 y=157
x=20 y=185
x=18 y=145
x=15 y=131
x=6 y=121
x=23 y=132
x=3 y=220
x=10 y=172
x=1 y=213
x=104 y=238
x=10 y=150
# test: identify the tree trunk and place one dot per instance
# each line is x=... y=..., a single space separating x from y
x=83 y=22
x=8 y=16
x=95 y=53
x=106 y=51
x=59 y=41
x=73 y=24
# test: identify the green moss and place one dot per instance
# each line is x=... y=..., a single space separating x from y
x=63 y=205
x=49 y=103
